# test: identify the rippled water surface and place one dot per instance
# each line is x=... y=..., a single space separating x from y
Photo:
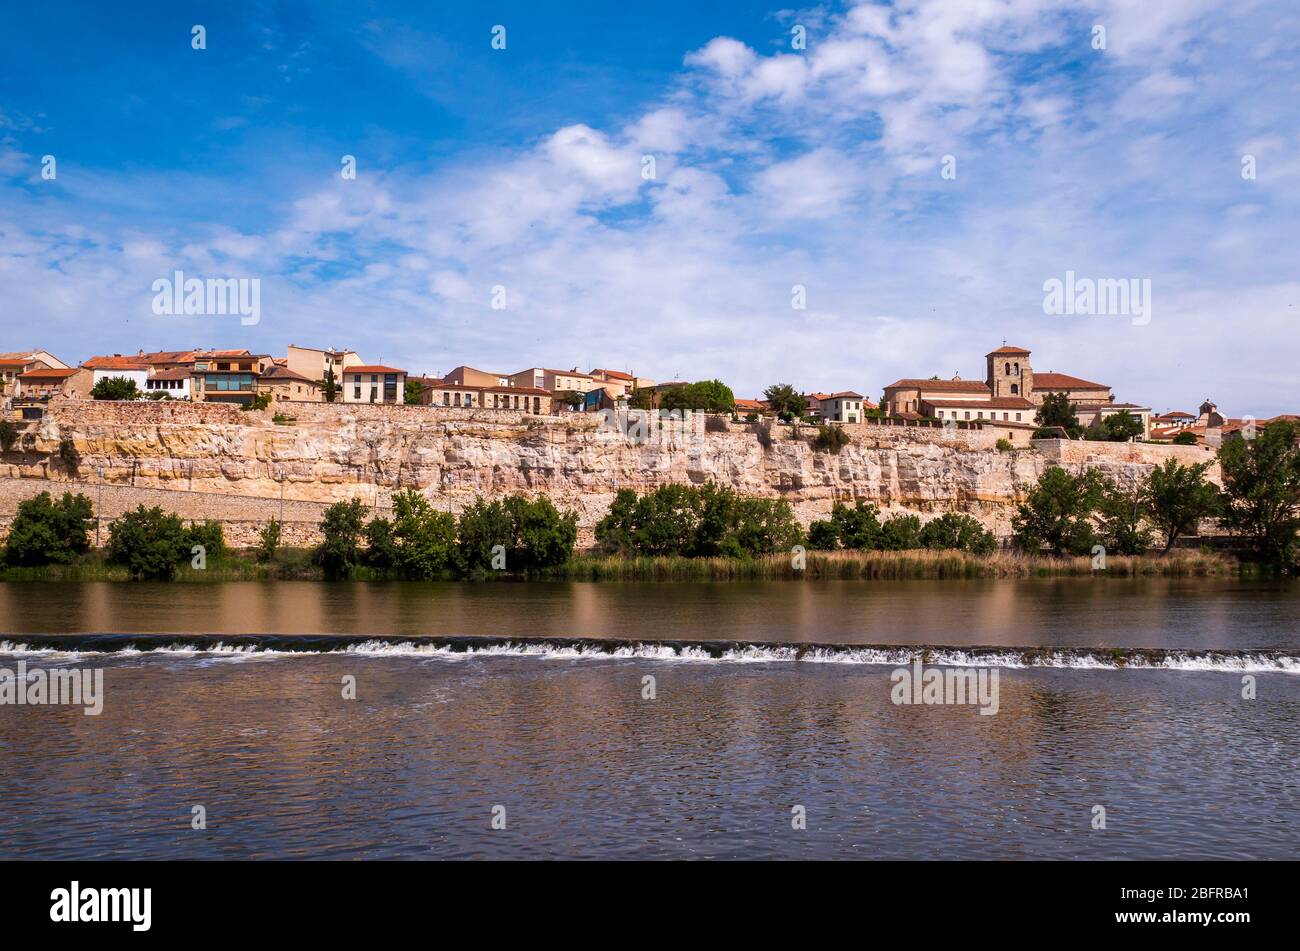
x=585 y=766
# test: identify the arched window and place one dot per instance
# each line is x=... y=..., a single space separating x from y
x=1015 y=389
x=1008 y=369
x=1017 y=369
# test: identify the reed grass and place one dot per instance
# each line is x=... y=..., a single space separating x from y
x=295 y=564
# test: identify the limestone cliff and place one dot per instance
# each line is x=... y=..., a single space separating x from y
x=319 y=453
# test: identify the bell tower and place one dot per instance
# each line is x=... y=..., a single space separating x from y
x=1008 y=372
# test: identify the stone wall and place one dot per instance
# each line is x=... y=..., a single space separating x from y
x=216 y=461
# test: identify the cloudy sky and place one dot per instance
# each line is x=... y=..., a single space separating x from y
x=526 y=168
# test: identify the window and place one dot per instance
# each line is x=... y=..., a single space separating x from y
x=446 y=398
x=1015 y=389
x=1017 y=417
x=356 y=392
x=968 y=414
x=1008 y=369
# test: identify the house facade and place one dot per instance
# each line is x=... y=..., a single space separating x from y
x=374 y=384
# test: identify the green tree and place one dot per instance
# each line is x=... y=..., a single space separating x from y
x=641 y=399
x=341 y=526
x=857 y=527
x=1057 y=410
x=570 y=398
x=482 y=527
x=425 y=537
x=697 y=521
x=260 y=401
x=1184 y=438
x=381 y=545
x=1058 y=513
x=1120 y=516
x=150 y=543
x=1121 y=427
x=823 y=535
x=900 y=533
x=69 y=455
x=706 y=396
x=115 y=388
x=543 y=536
x=784 y=400
x=1261 y=491
x=1177 y=497
x=268 y=541
x=957 y=532
x=47 y=532
x=412 y=392
x=330 y=386
x=8 y=435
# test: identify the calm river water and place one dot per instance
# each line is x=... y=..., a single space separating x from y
x=567 y=750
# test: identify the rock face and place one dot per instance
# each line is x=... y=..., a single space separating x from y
x=322 y=453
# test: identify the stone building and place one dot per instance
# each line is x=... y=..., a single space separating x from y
x=1007 y=399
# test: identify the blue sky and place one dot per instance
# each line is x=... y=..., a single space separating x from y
x=774 y=167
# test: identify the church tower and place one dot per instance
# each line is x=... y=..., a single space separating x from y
x=1008 y=372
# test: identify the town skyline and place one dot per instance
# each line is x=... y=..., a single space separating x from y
x=887 y=199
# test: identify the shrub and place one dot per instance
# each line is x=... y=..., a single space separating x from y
x=208 y=535
x=259 y=402
x=1185 y=438
x=68 y=454
x=900 y=533
x=1120 y=516
x=483 y=526
x=823 y=536
x=1004 y=445
x=715 y=424
x=857 y=527
x=115 y=388
x=268 y=540
x=697 y=521
x=830 y=439
x=8 y=435
x=47 y=532
x=148 y=542
x=341 y=526
x=381 y=545
x=959 y=533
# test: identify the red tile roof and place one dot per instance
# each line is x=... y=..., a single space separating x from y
x=844 y=395
x=372 y=369
x=952 y=386
x=1063 y=381
x=616 y=374
x=278 y=372
x=998 y=402
x=34 y=375
x=115 y=362
x=1008 y=351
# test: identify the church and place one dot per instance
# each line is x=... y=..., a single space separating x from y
x=1007 y=398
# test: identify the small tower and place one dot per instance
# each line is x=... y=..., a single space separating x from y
x=1008 y=372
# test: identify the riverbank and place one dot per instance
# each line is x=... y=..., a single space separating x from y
x=295 y=564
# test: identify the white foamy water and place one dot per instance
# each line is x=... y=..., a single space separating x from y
x=1077 y=659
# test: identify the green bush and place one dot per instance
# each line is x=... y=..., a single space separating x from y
x=830 y=439
x=259 y=402
x=47 y=532
x=115 y=388
x=210 y=536
x=823 y=536
x=697 y=521
x=1261 y=492
x=1004 y=445
x=959 y=533
x=8 y=435
x=1185 y=438
x=900 y=533
x=857 y=527
x=148 y=543
x=425 y=539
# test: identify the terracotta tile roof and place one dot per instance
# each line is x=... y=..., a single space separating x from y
x=525 y=390
x=115 y=362
x=998 y=402
x=573 y=372
x=1008 y=351
x=750 y=404
x=178 y=373
x=616 y=374
x=952 y=386
x=1063 y=381
x=34 y=375
x=278 y=372
x=14 y=363
x=1176 y=414
x=844 y=395
x=377 y=368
